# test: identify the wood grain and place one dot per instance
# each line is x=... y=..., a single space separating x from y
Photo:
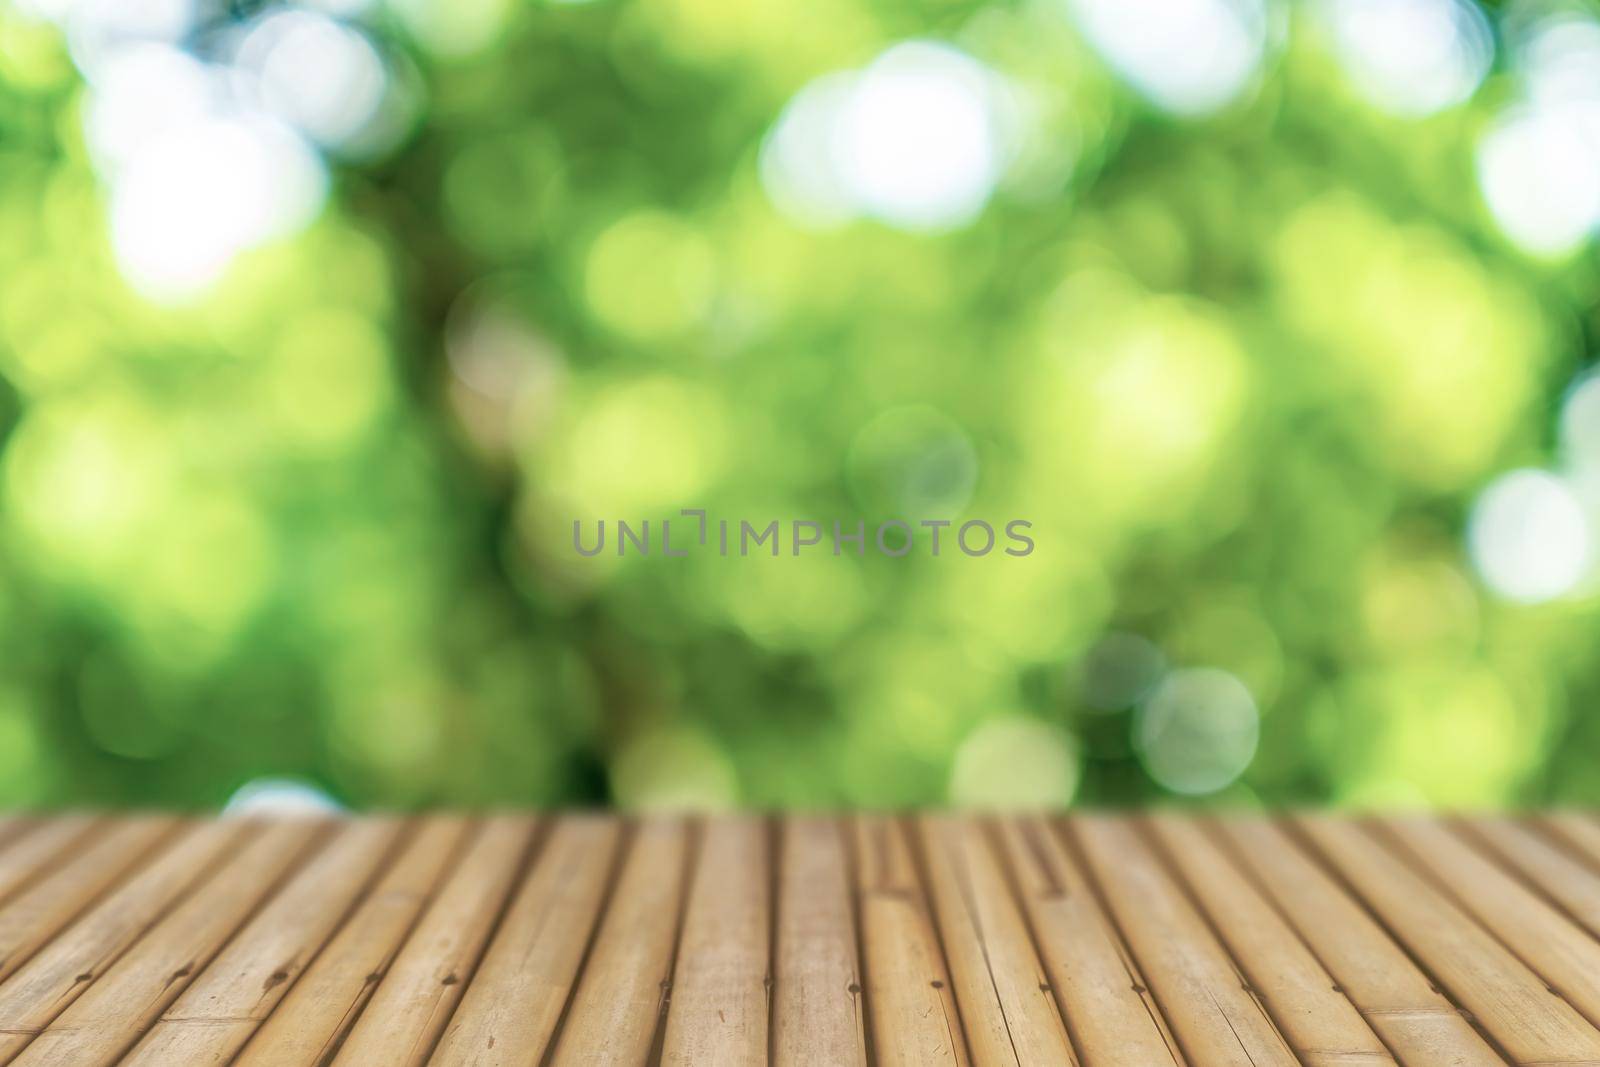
x=1549 y=942
x=59 y=972
x=420 y=990
x=1559 y=875
x=1323 y=1027
x=319 y=1009
x=623 y=992
x=719 y=987
x=1105 y=1000
x=1006 y=1004
x=213 y=1018
x=1523 y=1015
x=1156 y=940
x=817 y=1008
x=1214 y=1014
x=37 y=912
x=510 y=1011
x=115 y=1010
x=913 y=1011
x=41 y=847
x=1400 y=1002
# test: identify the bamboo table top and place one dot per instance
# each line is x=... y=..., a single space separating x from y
x=587 y=939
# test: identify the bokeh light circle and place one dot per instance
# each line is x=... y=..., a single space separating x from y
x=1119 y=671
x=322 y=77
x=1540 y=175
x=1529 y=537
x=1412 y=57
x=1197 y=732
x=279 y=798
x=192 y=199
x=1014 y=762
x=1189 y=57
x=673 y=768
x=1580 y=423
x=917 y=139
x=920 y=137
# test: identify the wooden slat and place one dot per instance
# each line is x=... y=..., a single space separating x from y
x=1397 y=1000
x=516 y=996
x=42 y=848
x=1530 y=1022
x=411 y=1006
x=213 y=1018
x=1546 y=940
x=314 y=1015
x=817 y=1011
x=1159 y=940
x=914 y=1020
x=1565 y=879
x=1579 y=830
x=1321 y=1024
x=36 y=913
x=1212 y=1012
x=1007 y=1010
x=1108 y=1007
x=49 y=982
x=719 y=987
x=618 y=1005
x=13 y=828
x=115 y=1010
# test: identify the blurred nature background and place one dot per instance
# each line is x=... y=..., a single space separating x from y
x=321 y=322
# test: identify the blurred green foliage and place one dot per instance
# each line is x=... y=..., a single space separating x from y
x=1245 y=373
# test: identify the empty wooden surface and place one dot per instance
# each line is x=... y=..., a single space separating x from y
x=1162 y=940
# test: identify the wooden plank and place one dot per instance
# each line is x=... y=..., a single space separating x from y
x=1322 y=1026
x=62 y=969
x=410 y=1008
x=1398 y=1001
x=511 y=1006
x=114 y=1011
x=718 y=1014
x=13 y=828
x=1215 y=1017
x=41 y=849
x=1549 y=942
x=817 y=1010
x=1007 y=1010
x=1579 y=830
x=319 y=1009
x=1523 y=1016
x=36 y=913
x=1565 y=879
x=1147 y=941
x=623 y=992
x=213 y=1018
x=1108 y=1007
x=915 y=1022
